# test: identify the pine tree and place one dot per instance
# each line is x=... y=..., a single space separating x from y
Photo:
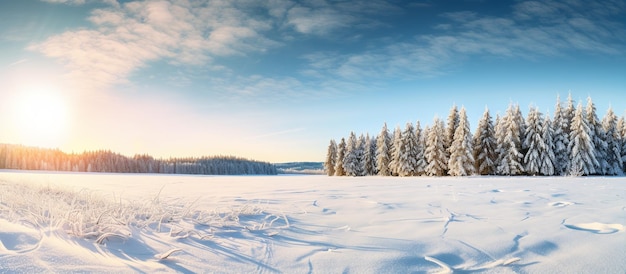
x=560 y=131
x=408 y=156
x=396 y=152
x=621 y=127
x=420 y=166
x=452 y=124
x=351 y=160
x=511 y=157
x=499 y=135
x=484 y=146
x=341 y=154
x=547 y=152
x=435 y=153
x=614 y=145
x=370 y=155
x=533 y=142
x=360 y=167
x=383 y=152
x=521 y=125
x=581 y=147
x=461 y=161
x=331 y=156
x=598 y=137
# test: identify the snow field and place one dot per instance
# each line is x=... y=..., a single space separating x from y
x=55 y=222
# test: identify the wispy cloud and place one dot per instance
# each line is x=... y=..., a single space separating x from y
x=323 y=17
x=533 y=30
x=129 y=36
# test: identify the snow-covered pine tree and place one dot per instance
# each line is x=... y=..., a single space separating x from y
x=408 y=155
x=341 y=154
x=569 y=111
x=499 y=135
x=614 y=145
x=521 y=124
x=547 y=153
x=452 y=124
x=350 y=160
x=597 y=136
x=533 y=143
x=560 y=135
x=435 y=153
x=383 y=152
x=370 y=155
x=361 y=146
x=396 y=152
x=484 y=146
x=331 y=156
x=420 y=166
x=621 y=127
x=461 y=162
x=583 y=159
x=511 y=157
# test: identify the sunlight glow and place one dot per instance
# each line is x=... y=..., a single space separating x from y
x=40 y=117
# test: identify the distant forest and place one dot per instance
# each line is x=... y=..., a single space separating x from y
x=574 y=142
x=34 y=158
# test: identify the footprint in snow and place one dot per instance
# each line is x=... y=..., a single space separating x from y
x=560 y=204
x=597 y=228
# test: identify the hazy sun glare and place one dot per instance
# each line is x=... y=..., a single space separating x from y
x=40 y=118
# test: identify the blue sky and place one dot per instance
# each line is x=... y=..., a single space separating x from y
x=276 y=80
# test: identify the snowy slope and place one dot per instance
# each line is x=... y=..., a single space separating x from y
x=55 y=222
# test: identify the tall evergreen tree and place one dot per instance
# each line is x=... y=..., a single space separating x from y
x=614 y=145
x=341 y=154
x=597 y=136
x=621 y=127
x=396 y=152
x=452 y=124
x=560 y=132
x=383 y=152
x=350 y=160
x=331 y=156
x=421 y=163
x=511 y=157
x=568 y=113
x=534 y=142
x=499 y=135
x=461 y=162
x=521 y=125
x=581 y=147
x=435 y=153
x=408 y=156
x=361 y=145
x=547 y=152
x=370 y=155
x=484 y=146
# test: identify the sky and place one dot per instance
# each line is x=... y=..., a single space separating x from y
x=275 y=80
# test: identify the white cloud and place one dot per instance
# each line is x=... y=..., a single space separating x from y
x=131 y=35
x=323 y=17
x=535 y=30
x=82 y=2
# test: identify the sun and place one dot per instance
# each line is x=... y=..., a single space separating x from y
x=40 y=118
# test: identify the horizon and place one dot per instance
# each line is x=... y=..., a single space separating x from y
x=276 y=81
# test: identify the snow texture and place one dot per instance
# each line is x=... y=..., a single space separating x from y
x=114 y=223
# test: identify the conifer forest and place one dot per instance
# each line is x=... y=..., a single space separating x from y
x=572 y=142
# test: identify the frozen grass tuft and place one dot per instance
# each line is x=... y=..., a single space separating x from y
x=85 y=214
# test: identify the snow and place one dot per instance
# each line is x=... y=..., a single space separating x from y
x=65 y=222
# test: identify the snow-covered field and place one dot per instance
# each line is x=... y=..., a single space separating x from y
x=55 y=222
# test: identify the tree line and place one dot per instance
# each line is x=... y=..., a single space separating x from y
x=574 y=142
x=34 y=158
